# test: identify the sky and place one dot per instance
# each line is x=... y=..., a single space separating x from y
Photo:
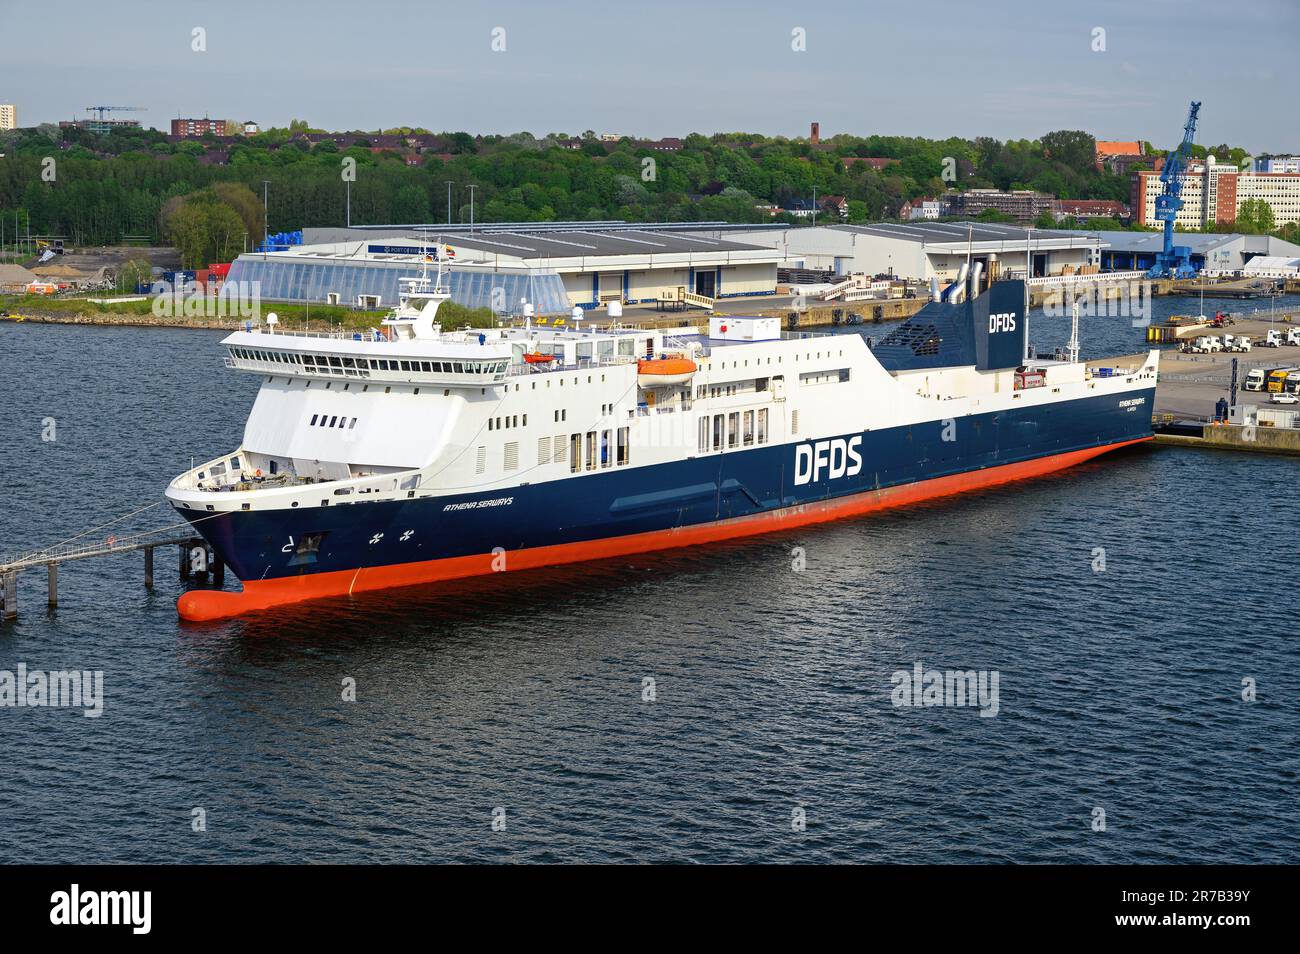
x=934 y=68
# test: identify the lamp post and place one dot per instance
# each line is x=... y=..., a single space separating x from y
x=266 y=211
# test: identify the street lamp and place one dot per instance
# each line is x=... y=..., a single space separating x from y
x=266 y=213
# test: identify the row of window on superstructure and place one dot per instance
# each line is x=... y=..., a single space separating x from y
x=733 y=429
x=341 y=364
x=593 y=450
x=334 y=420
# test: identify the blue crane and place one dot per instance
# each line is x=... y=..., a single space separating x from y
x=1174 y=261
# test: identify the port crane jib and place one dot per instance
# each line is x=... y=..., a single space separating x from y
x=1174 y=261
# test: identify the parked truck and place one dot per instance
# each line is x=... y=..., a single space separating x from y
x=1277 y=379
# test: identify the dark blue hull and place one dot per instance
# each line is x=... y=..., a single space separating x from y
x=269 y=545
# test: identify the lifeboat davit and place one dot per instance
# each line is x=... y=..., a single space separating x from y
x=535 y=357
x=661 y=372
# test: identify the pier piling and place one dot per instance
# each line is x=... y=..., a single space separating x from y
x=9 y=595
x=192 y=550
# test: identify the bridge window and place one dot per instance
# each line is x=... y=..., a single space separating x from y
x=313 y=419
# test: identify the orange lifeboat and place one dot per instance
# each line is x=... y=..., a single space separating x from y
x=662 y=372
x=536 y=357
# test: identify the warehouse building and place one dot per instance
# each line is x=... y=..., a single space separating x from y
x=925 y=250
x=1215 y=253
x=554 y=266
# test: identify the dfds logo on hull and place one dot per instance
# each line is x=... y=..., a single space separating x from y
x=831 y=459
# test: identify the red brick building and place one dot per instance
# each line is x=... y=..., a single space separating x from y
x=191 y=128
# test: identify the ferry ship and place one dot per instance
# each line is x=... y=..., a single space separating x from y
x=413 y=454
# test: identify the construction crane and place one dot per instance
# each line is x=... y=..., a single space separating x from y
x=105 y=109
x=1174 y=261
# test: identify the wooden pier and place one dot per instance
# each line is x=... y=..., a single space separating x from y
x=195 y=560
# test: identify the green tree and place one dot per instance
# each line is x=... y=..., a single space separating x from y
x=1255 y=216
x=133 y=273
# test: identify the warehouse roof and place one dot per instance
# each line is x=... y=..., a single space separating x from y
x=549 y=243
x=1122 y=241
x=946 y=233
x=582 y=242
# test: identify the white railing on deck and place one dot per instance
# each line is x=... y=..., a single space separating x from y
x=1100 y=278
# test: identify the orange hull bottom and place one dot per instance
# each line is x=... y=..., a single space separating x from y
x=203 y=605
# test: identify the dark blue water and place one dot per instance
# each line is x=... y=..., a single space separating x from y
x=1119 y=690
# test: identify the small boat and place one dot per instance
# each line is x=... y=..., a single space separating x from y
x=661 y=372
x=536 y=357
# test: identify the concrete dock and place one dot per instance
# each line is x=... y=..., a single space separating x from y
x=1191 y=384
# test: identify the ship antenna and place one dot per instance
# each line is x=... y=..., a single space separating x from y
x=1029 y=267
x=1073 y=346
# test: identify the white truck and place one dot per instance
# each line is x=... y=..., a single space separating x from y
x=1255 y=379
x=1239 y=343
x=1205 y=344
x=1293 y=336
x=1273 y=339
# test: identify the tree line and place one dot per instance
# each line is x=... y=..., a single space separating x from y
x=205 y=195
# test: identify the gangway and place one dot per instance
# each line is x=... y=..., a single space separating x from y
x=53 y=557
x=839 y=288
x=675 y=299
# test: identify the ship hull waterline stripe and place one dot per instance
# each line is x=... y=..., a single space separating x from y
x=206 y=605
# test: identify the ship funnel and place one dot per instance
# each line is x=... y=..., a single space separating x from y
x=934 y=290
x=954 y=292
x=976 y=273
